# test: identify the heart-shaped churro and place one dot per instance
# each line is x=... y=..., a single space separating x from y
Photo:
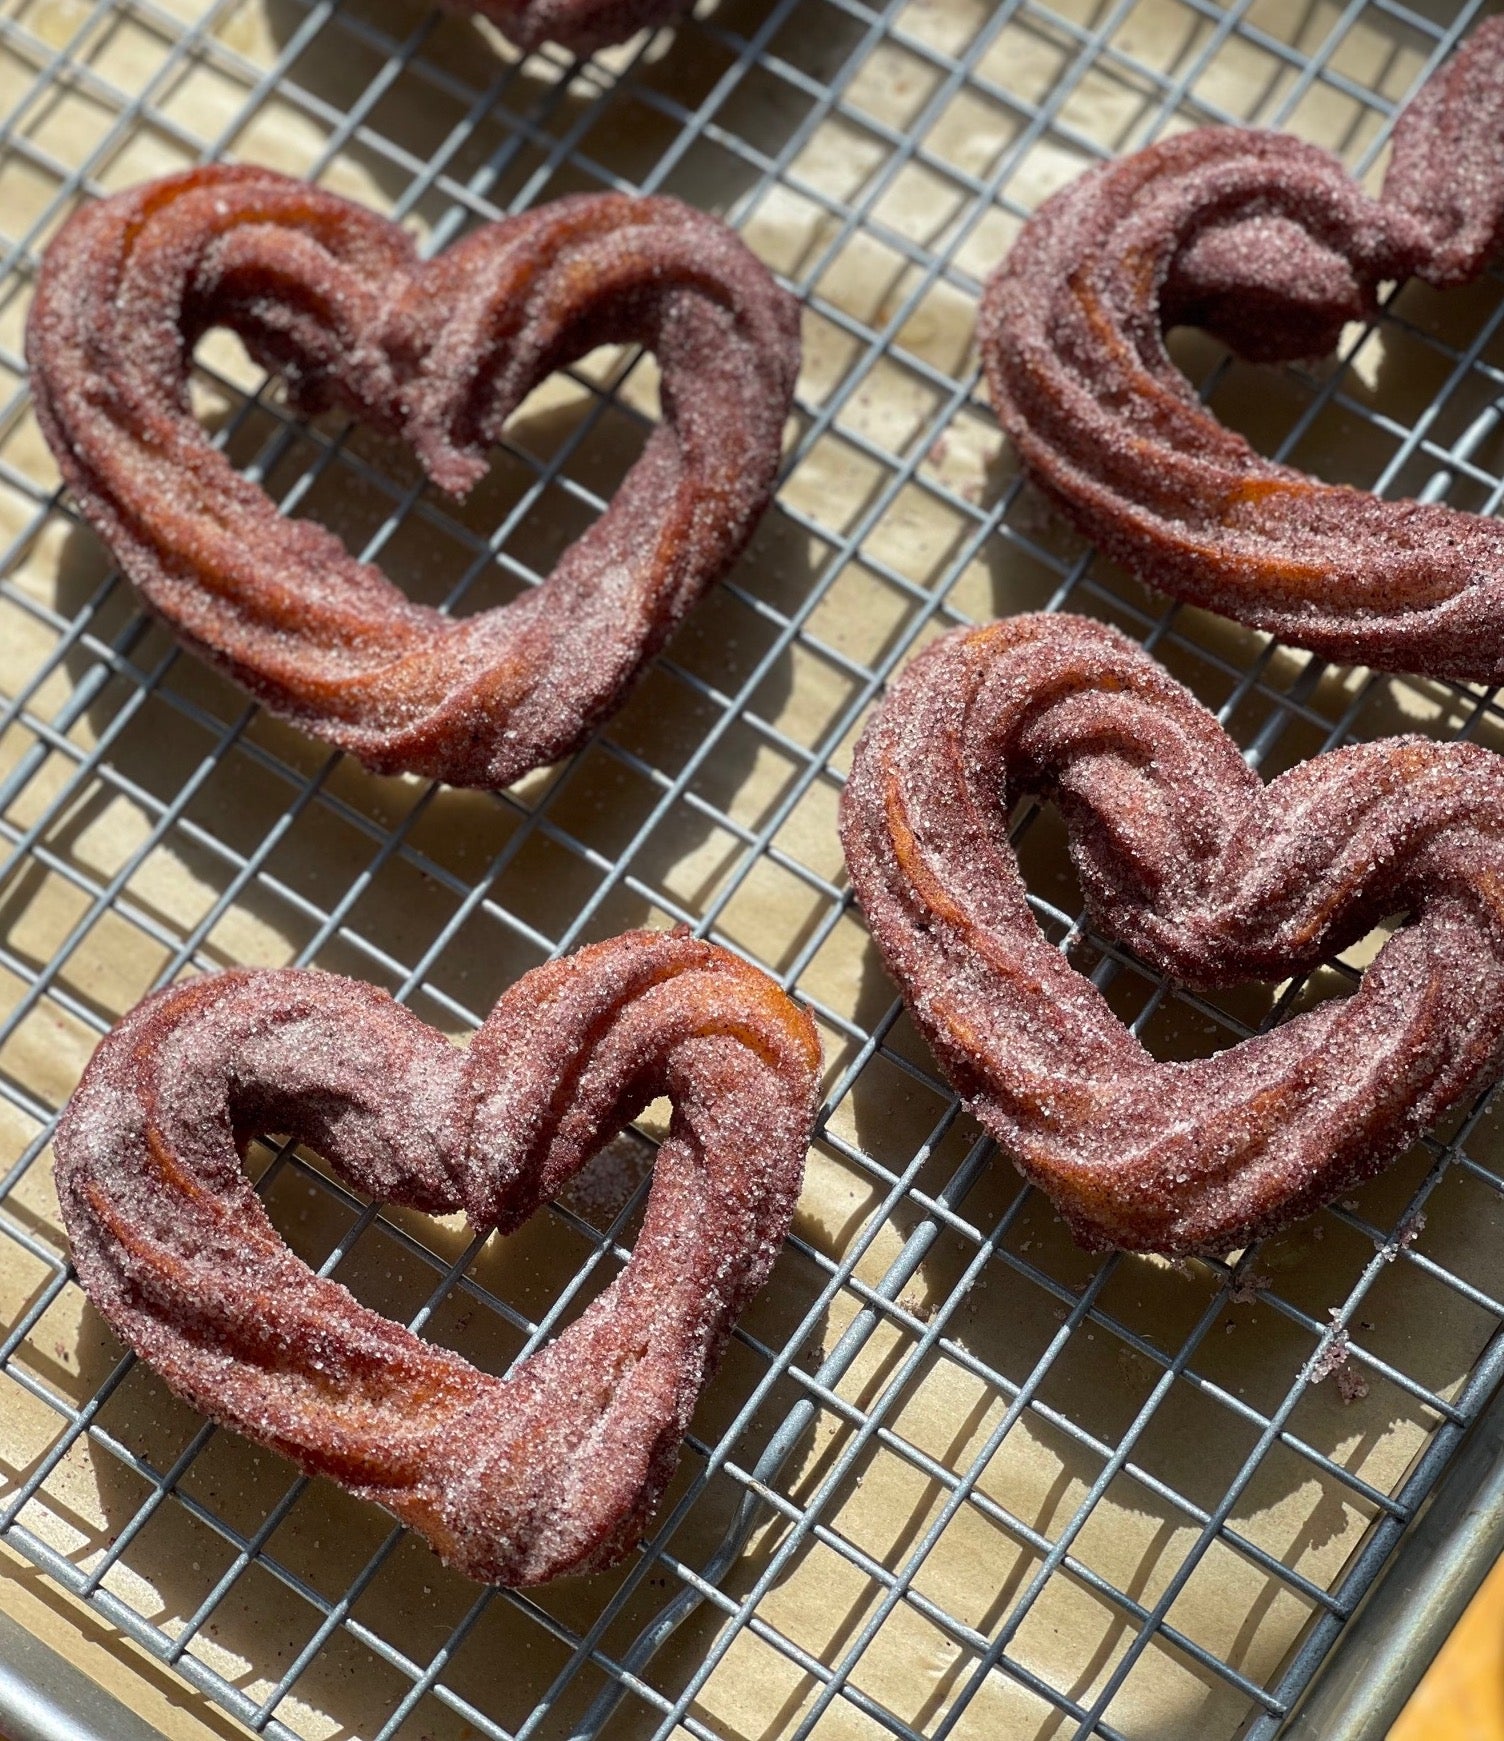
x=557 y=1467
x=1271 y=245
x=1212 y=878
x=440 y=352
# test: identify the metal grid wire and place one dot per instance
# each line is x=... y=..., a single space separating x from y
x=827 y=1386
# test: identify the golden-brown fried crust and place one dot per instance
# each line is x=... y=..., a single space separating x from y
x=1212 y=878
x=1270 y=244
x=557 y=1467
x=334 y=297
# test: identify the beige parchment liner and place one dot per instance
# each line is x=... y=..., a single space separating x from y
x=187 y=777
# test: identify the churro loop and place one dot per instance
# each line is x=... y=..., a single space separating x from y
x=582 y=26
x=1211 y=878
x=557 y=1467
x=1269 y=244
x=334 y=298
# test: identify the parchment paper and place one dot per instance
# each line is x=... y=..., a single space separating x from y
x=888 y=550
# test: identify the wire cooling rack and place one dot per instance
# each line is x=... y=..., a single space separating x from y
x=956 y=1478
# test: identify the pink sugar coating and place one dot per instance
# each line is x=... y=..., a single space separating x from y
x=334 y=297
x=1270 y=244
x=557 y=1467
x=1211 y=878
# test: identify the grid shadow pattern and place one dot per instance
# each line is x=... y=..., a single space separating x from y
x=956 y=1477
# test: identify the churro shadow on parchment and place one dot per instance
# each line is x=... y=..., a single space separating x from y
x=1245 y=1357
x=620 y=117
x=327 y=1538
x=602 y=803
x=1249 y=1355
x=1196 y=1444
x=335 y=1538
x=256 y=1630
